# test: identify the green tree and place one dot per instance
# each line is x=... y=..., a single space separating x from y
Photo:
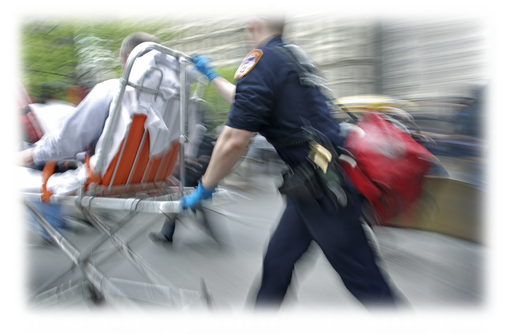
x=76 y=44
x=57 y=54
x=219 y=107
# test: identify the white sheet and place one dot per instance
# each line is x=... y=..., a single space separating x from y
x=29 y=180
x=161 y=131
x=52 y=114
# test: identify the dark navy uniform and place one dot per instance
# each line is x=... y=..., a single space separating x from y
x=270 y=100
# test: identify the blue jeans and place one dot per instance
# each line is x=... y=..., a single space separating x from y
x=51 y=212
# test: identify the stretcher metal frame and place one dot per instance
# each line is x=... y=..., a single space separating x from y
x=93 y=283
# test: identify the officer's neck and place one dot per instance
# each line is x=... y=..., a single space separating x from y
x=264 y=39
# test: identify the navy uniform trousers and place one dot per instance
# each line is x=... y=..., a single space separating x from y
x=343 y=241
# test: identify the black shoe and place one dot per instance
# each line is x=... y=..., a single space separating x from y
x=158 y=237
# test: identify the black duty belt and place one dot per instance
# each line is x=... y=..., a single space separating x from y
x=290 y=141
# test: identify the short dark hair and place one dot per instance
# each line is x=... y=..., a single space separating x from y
x=275 y=23
x=276 y=15
x=132 y=40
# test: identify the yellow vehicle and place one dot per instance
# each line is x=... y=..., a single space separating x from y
x=381 y=103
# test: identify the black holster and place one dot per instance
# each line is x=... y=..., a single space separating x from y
x=307 y=183
x=301 y=183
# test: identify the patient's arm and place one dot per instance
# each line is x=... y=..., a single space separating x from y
x=81 y=128
x=24 y=158
x=225 y=88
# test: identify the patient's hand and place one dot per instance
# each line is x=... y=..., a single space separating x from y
x=24 y=158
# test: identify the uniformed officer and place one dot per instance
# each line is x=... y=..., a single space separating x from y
x=269 y=99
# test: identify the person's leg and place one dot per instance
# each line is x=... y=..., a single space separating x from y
x=289 y=241
x=214 y=233
x=166 y=233
x=168 y=228
x=51 y=212
x=192 y=177
x=287 y=313
x=344 y=243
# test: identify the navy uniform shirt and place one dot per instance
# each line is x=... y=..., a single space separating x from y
x=270 y=100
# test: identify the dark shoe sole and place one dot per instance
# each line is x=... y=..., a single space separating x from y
x=158 y=237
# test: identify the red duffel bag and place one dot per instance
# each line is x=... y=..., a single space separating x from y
x=390 y=166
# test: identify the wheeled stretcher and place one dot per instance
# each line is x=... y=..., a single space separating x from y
x=143 y=142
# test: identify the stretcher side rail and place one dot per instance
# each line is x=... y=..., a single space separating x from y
x=167 y=204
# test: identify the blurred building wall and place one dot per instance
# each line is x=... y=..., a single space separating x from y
x=343 y=49
x=224 y=41
x=433 y=59
x=413 y=60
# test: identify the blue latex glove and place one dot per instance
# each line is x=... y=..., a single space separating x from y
x=193 y=200
x=204 y=65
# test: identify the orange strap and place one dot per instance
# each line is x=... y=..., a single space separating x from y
x=48 y=170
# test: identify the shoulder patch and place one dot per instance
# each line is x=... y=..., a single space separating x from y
x=249 y=62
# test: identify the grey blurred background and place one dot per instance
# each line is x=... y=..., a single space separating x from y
x=414 y=59
x=440 y=65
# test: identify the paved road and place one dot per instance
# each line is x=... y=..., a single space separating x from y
x=429 y=269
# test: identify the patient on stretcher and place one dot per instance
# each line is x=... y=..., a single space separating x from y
x=84 y=129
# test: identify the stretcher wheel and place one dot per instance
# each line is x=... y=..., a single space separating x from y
x=222 y=315
x=93 y=299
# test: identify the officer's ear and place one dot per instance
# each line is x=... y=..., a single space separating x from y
x=250 y=26
x=255 y=25
x=259 y=25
